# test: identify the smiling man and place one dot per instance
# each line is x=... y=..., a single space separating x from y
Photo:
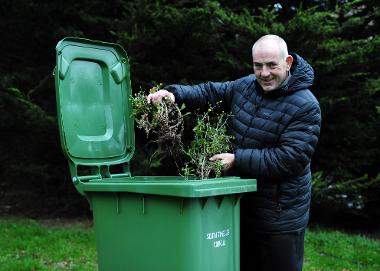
x=271 y=62
x=275 y=122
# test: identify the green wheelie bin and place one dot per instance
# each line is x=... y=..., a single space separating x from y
x=142 y=223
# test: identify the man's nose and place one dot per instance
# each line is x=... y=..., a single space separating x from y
x=265 y=71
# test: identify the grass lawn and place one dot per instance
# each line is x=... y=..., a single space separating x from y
x=337 y=251
x=29 y=245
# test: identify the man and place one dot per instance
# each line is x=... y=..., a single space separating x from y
x=275 y=124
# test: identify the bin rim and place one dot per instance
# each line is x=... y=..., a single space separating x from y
x=169 y=186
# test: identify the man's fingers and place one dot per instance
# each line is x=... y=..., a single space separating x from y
x=227 y=159
x=159 y=95
x=154 y=98
x=215 y=157
x=149 y=98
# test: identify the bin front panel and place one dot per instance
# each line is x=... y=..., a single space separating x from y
x=147 y=232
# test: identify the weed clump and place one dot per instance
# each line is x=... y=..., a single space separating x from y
x=163 y=123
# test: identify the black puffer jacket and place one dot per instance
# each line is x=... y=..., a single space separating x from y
x=275 y=135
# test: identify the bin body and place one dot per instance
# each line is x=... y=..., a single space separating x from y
x=141 y=223
x=167 y=223
x=140 y=232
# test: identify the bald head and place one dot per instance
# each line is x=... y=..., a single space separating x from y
x=273 y=43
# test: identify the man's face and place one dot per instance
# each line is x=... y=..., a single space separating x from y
x=270 y=68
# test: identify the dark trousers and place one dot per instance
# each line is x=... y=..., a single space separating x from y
x=272 y=252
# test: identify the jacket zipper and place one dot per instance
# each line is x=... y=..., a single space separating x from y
x=279 y=207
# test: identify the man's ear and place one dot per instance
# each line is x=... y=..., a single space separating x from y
x=289 y=61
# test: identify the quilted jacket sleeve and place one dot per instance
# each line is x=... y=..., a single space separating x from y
x=292 y=153
x=203 y=95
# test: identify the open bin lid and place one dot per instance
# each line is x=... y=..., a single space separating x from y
x=92 y=82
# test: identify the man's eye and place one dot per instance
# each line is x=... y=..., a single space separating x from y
x=272 y=65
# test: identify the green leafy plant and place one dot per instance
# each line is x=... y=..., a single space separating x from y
x=210 y=137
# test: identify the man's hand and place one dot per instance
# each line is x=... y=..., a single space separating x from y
x=227 y=159
x=157 y=96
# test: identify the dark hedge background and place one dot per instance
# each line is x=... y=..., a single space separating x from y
x=192 y=41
